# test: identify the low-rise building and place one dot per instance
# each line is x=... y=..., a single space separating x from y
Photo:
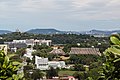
x=41 y=63
x=57 y=64
x=44 y=64
x=29 y=52
x=93 y=51
x=16 y=44
x=31 y=42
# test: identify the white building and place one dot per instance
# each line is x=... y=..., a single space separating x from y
x=41 y=63
x=56 y=64
x=33 y=42
x=44 y=64
x=19 y=41
x=47 y=42
x=40 y=42
x=29 y=52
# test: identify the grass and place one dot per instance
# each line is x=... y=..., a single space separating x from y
x=66 y=72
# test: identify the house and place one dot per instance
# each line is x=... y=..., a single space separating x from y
x=41 y=63
x=4 y=47
x=93 y=51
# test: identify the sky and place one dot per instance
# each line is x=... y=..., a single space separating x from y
x=66 y=15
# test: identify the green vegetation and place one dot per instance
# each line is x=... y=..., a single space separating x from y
x=111 y=67
x=83 y=59
x=69 y=40
x=85 y=67
x=52 y=73
x=9 y=68
x=66 y=72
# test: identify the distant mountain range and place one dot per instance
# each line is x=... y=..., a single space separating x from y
x=4 y=31
x=99 y=32
x=45 y=31
x=54 y=31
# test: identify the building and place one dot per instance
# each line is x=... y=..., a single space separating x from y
x=93 y=51
x=33 y=42
x=44 y=64
x=57 y=64
x=14 y=45
x=41 y=63
x=17 y=44
x=29 y=52
x=47 y=42
x=4 y=47
x=19 y=41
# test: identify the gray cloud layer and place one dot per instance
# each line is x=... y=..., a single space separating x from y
x=60 y=13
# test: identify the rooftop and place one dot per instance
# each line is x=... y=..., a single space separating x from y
x=94 y=51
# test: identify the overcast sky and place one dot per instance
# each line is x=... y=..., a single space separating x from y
x=75 y=15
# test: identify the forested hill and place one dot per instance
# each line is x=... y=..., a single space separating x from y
x=56 y=38
x=45 y=31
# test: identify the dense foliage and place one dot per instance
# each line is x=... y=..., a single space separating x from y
x=111 y=67
x=9 y=68
x=84 y=40
x=52 y=73
x=83 y=59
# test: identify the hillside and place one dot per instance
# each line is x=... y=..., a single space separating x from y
x=44 y=31
x=100 y=32
x=4 y=31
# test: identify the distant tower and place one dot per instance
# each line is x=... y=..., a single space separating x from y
x=18 y=30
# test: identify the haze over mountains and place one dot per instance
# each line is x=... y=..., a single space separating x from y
x=54 y=31
x=5 y=31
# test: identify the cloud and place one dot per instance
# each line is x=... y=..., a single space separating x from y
x=96 y=9
x=58 y=12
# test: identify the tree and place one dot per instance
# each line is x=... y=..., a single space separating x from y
x=52 y=73
x=37 y=74
x=21 y=52
x=111 y=67
x=79 y=67
x=27 y=70
x=79 y=75
x=9 y=68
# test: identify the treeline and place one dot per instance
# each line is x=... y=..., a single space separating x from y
x=69 y=40
x=56 y=38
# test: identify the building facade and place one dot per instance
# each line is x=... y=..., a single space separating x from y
x=41 y=63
